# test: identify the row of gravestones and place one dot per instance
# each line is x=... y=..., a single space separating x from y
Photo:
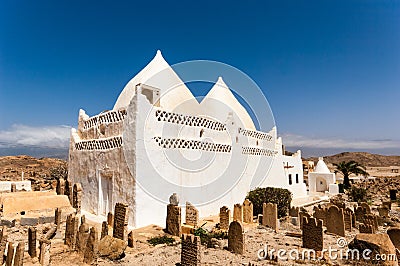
x=336 y=220
x=84 y=239
x=74 y=192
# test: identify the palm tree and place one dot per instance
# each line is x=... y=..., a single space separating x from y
x=348 y=168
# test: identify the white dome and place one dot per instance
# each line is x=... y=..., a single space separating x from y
x=321 y=167
x=159 y=74
x=220 y=101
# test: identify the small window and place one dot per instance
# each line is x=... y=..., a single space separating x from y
x=290 y=179
x=297 y=178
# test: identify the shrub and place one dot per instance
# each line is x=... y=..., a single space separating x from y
x=205 y=236
x=161 y=240
x=357 y=194
x=280 y=196
x=257 y=197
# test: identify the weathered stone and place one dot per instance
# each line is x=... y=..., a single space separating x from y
x=360 y=213
x=90 y=254
x=366 y=229
x=335 y=221
x=174 y=199
x=348 y=216
x=19 y=254
x=130 y=239
x=82 y=237
x=104 y=229
x=192 y=215
x=236 y=238
x=294 y=211
x=77 y=197
x=51 y=232
x=312 y=234
x=10 y=254
x=394 y=235
x=13 y=187
x=190 y=251
x=303 y=214
x=57 y=217
x=120 y=229
x=387 y=204
x=371 y=219
x=71 y=231
x=44 y=255
x=270 y=215
x=366 y=206
x=173 y=221
x=378 y=244
x=247 y=211
x=68 y=190
x=3 y=244
x=110 y=219
x=224 y=218
x=60 y=189
x=238 y=212
x=32 y=242
x=320 y=214
x=111 y=247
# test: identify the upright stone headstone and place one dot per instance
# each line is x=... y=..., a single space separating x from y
x=348 y=216
x=60 y=189
x=110 y=219
x=270 y=215
x=32 y=242
x=394 y=235
x=130 y=239
x=236 y=238
x=383 y=212
x=57 y=217
x=190 y=250
x=387 y=204
x=173 y=221
x=3 y=244
x=320 y=214
x=303 y=214
x=335 y=221
x=82 y=237
x=312 y=234
x=366 y=206
x=71 y=231
x=120 y=229
x=360 y=213
x=19 y=254
x=247 y=211
x=238 y=212
x=104 y=229
x=68 y=190
x=77 y=197
x=90 y=254
x=224 y=218
x=44 y=254
x=294 y=211
x=371 y=219
x=10 y=254
x=192 y=215
x=366 y=229
x=13 y=187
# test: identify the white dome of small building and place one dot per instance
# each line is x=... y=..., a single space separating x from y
x=321 y=167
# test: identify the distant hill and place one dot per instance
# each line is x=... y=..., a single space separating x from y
x=364 y=158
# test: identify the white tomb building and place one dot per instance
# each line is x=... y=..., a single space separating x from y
x=157 y=141
x=322 y=179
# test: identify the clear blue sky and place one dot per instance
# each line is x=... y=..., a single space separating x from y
x=330 y=69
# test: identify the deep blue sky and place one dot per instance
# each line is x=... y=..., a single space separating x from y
x=330 y=69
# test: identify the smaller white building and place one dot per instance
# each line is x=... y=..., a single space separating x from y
x=322 y=180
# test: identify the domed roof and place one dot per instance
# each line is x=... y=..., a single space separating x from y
x=159 y=74
x=220 y=101
x=321 y=167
